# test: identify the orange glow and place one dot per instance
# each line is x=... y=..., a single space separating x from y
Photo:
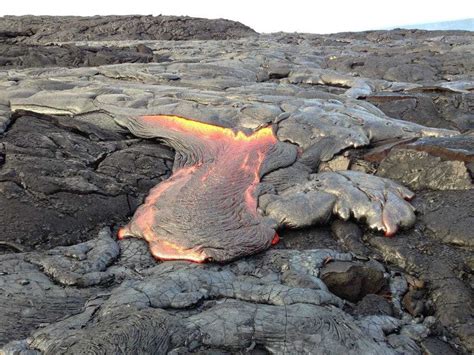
x=224 y=161
x=250 y=192
x=390 y=227
x=163 y=250
x=206 y=130
x=144 y=219
x=276 y=239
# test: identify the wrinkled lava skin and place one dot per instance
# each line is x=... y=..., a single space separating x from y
x=207 y=209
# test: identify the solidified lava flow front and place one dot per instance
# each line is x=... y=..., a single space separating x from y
x=207 y=209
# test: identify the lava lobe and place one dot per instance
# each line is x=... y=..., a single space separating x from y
x=207 y=209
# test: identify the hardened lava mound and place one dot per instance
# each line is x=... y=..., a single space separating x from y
x=207 y=210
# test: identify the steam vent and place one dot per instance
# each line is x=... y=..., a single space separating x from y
x=174 y=185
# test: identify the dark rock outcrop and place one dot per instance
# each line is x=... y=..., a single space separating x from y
x=50 y=29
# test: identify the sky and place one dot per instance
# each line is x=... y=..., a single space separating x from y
x=315 y=16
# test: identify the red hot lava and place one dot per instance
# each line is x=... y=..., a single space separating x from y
x=207 y=210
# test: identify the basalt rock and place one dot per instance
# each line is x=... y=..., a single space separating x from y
x=373 y=304
x=70 y=166
x=420 y=170
x=154 y=306
x=47 y=29
x=26 y=56
x=58 y=184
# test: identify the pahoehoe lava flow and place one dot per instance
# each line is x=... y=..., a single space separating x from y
x=207 y=210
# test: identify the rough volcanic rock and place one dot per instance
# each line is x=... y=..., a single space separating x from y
x=439 y=266
x=48 y=29
x=448 y=216
x=39 y=280
x=414 y=302
x=68 y=168
x=420 y=170
x=58 y=184
x=20 y=38
x=307 y=238
x=459 y=147
x=349 y=236
x=373 y=304
x=433 y=346
x=440 y=108
x=450 y=148
x=416 y=63
x=256 y=304
x=69 y=55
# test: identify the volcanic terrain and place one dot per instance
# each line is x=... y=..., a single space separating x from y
x=127 y=142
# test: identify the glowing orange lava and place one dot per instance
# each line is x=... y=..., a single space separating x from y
x=207 y=209
x=206 y=130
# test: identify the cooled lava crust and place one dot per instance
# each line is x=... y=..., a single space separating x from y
x=207 y=209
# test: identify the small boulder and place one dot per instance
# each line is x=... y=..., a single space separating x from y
x=414 y=301
x=373 y=304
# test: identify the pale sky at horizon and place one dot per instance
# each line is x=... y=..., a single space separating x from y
x=266 y=16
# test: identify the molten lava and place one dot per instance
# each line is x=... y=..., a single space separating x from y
x=207 y=210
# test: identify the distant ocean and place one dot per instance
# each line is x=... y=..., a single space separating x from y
x=465 y=25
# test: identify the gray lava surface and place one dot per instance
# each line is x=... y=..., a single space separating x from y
x=377 y=118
